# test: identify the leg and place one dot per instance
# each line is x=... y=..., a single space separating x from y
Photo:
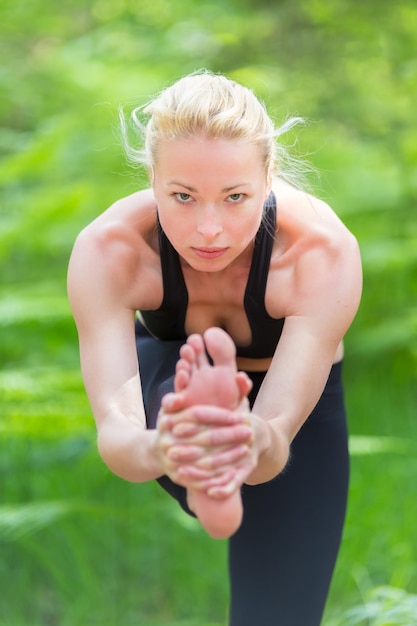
x=198 y=382
x=282 y=558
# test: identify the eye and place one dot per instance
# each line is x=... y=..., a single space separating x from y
x=182 y=197
x=234 y=198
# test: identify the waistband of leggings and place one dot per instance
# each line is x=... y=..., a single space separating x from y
x=335 y=374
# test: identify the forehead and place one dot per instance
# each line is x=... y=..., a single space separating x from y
x=206 y=154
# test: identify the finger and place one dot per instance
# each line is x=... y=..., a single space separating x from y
x=223 y=459
x=219 y=490
x=217 y=416
x=243 y=472
x=222 y=479
x=186 y=429
x=194 y=473
x=173 y=412
x=184 y=454
x=222 y=436
x=223 y=491
x=167 y=420
x=202 y=480
x=173 y=402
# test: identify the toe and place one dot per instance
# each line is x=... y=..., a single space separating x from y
x=220 y=347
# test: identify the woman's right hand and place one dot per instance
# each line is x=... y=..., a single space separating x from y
x=207 y=448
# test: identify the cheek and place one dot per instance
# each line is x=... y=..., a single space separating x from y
x=175 y=227
x=251 y=224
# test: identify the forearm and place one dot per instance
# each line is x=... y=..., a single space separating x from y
x=129 y=450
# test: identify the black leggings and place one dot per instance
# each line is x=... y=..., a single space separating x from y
x=282 y=557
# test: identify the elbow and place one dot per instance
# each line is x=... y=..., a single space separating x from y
x=109 y=451
x=128 y=452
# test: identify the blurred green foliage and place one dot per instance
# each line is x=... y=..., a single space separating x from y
x=80 y=546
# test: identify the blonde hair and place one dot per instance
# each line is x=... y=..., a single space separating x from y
x=212 y=106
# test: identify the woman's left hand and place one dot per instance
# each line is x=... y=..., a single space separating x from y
x=212 y=449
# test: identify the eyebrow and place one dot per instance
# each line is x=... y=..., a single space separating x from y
x=193 y=190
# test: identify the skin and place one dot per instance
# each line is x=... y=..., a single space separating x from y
x=210 y=194
x=197 y=382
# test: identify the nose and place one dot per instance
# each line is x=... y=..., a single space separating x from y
x=210 y=225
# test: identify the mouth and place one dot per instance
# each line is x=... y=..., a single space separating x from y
x=209 y=253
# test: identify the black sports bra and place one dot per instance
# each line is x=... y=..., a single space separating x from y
x=167 y=322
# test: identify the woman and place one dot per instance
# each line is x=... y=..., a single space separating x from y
x=221 y=242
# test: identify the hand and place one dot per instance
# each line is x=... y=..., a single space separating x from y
x=220 y=481
x=209 y=448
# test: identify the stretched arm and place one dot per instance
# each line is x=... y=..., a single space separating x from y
x=99 y=286
x=109 y=364
x=329 y=286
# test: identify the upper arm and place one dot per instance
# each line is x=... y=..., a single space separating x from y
x=106 y=335
x=328 y=289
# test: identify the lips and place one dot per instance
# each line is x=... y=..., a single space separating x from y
x=209 y=253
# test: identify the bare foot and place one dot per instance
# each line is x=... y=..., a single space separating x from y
x=219 y=384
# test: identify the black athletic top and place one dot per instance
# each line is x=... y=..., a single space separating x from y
x=167 y=322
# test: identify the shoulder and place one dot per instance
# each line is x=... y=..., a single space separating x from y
x=133 y=215
x=307 y=224
x=315 y=252
x=109 y=253
x=296 y=207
